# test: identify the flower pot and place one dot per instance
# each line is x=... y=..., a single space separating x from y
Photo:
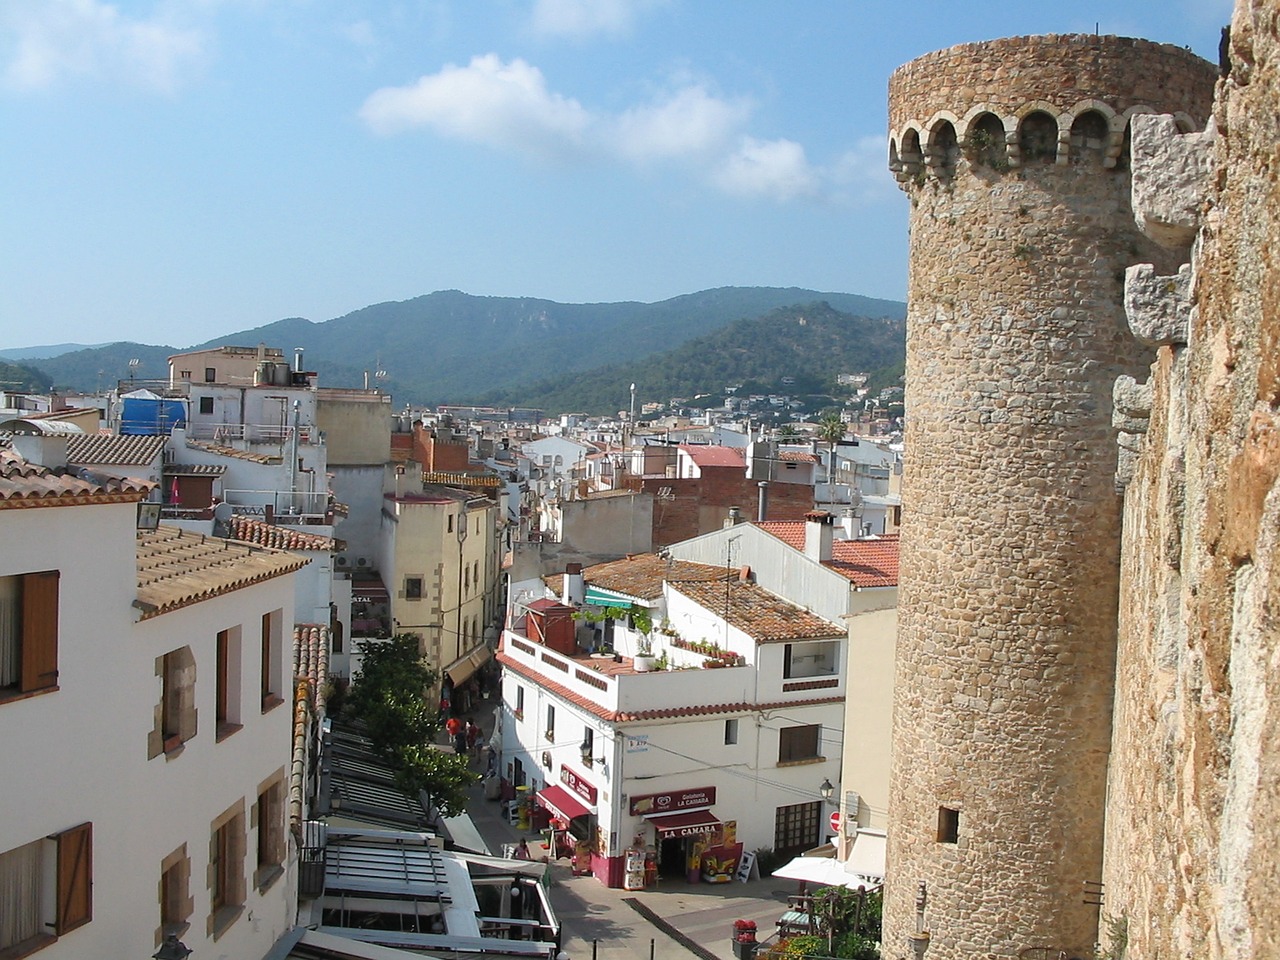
x=645 y=664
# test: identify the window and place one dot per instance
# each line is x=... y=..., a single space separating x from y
x=268 y=816
x=226 y=869
x=184 y=375
x=28 y=634
x=798 y=744
x=588 y=745
x=519 y=702
x=795 y=828
x=176 y=716
x=210 y=374
x=227 y=684
x=466 y=579
x=948 y=825
x=800 y=660
x=731 y=731
x=270 y=686
x=32 y=907
x=413 y=588
x=206 y=405
x=448 y=524
x=551 y=723
x=176 y=903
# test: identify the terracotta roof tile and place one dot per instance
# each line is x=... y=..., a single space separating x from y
x=665 y=713
x=868 y=563
x=111 y=450
x=640 y=576
x=795 y=456
x=24 y=484
x=224 y=451
x=177 y=568
x=708 y=456
x=758 y=613
x=310 y=671
x=279 y=537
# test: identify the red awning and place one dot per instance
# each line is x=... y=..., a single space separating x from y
x=562 y=803
x=369 y=589
x=691 y=823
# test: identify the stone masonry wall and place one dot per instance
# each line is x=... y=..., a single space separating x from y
x=1016 y=334
x=1193 y=820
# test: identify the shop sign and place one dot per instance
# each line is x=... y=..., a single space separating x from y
x=577 y=784
x=652 y=803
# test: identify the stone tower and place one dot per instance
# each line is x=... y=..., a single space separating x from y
x=1014 y=154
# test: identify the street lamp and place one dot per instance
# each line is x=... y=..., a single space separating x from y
x=172 y=949
x=826 y=790
x=586 y=749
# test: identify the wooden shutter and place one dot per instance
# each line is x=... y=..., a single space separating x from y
x=39 y=630
x=75 y=878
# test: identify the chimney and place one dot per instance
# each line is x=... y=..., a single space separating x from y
x=734 y=518
x=297 y=359
x=574 y=590
x=817 y=535
x=43 y=449
x=762 y=512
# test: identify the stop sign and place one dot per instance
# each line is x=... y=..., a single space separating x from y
x=835 y=821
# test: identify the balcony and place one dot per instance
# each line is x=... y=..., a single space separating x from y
x=612 y=683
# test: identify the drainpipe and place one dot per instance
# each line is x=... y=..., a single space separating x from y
x=293 y=459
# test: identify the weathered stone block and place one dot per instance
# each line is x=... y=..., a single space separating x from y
x=1158 y=308
x=1170 y=178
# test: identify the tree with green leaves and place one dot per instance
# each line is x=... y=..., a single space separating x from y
x=831 y=429
x=389 y=698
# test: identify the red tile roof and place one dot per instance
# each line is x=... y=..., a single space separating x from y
x=867 y=563
x=24 y=485
x=759 y=614
x=707 y=456
x=640 y=575
x=279 y=537
x=225 y=451
x=795 y=456
x=666 y=713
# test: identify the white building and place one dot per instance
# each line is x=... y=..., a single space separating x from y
x=144 y=728
x=725 y=745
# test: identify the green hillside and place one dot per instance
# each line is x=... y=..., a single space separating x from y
x=810 y=344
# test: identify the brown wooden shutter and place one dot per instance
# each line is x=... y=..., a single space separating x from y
x=75 y=878
x=39 y=630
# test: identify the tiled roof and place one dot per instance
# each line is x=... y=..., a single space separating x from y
x=706 y=456
x=107 y=449
x=640 y=576
x=24 y=484
x=310 y=672
x=664 y=713
x=278 y=537
x=795 y=456
x=224 y=451
x=177 y=568
x=867 y=563
x=194 y=469
x=758 y=613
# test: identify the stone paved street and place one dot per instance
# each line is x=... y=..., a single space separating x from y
x=601 y=922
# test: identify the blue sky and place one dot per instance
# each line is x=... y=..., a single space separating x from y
x=178 y=169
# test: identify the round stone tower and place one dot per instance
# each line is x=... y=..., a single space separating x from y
x=1014 y=154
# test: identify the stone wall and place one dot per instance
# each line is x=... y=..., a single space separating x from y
x=1193 y=821
x=1015 y=157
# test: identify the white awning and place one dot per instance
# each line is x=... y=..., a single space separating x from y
x=866 y=859
x=823 y=870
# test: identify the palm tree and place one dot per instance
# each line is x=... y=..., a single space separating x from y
x=831 y=429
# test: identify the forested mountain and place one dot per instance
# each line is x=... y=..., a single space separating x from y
x=20 y=378
x=810 y=344
x=450 y=346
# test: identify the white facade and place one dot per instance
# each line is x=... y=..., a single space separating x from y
x=84 y=752
x=684 y=732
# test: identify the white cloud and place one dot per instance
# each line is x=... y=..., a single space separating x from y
x=585 y=18
x=54 y=40
x=508 y=106
x=689 y=123
x=487 y=101
x=773 y=169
